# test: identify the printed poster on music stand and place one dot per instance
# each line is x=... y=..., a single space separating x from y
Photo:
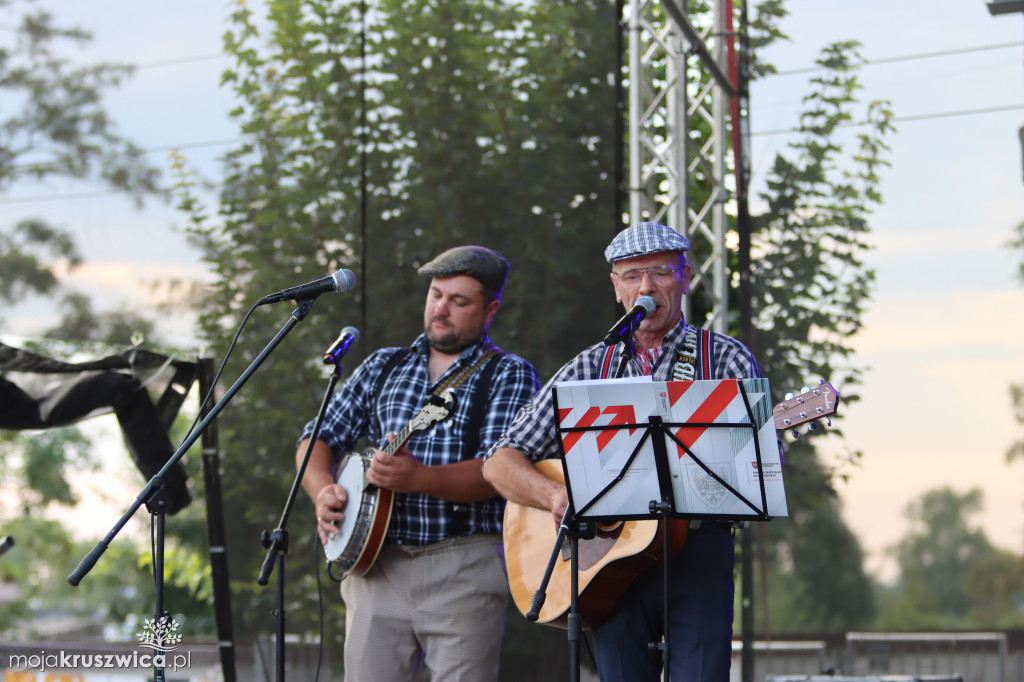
x=716 y=461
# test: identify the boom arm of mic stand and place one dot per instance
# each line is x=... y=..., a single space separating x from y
x=86 y=564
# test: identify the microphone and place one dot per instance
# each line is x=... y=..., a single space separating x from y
x=341 y=345
x=624 y=328
x=343 y=280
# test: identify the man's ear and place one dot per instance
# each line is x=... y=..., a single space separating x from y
x=618 y=297
x=491 y=309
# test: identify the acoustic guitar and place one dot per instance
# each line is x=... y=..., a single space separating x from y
x=620 y=551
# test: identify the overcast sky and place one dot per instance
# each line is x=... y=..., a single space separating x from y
x=944 y=335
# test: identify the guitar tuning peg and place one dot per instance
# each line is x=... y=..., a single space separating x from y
x=813 y=426
x=796 y=433
x=805 y=389
x=789 y=396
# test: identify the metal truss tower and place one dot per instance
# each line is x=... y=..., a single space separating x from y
x=679 y=98
x=679 y=101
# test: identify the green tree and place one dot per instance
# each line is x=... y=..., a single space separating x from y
x=58 y=128
x=28 y=252
x=944 y=561
x=811 y=287
x=1016 y=450
x=466 y=106
x=61 y=128
x=79 y=322
x=994 y=586
x=815 y=572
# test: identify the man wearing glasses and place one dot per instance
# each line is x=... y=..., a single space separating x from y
x=647 y=260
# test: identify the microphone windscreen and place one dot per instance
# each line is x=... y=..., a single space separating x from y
x=344 y=280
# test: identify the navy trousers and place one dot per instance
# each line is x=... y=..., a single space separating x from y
x=700 y=611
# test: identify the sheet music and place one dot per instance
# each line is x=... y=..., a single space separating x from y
x=593 y=459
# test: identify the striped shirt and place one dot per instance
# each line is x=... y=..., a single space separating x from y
x=419 y=519
x=533 y=431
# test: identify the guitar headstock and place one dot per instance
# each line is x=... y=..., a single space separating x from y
x=820 y=402
x=437 y=409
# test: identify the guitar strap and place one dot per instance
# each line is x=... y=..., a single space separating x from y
x=478 y=408
x=458 y=512
x=453 y=382
x=385 y=372
x=693 y=359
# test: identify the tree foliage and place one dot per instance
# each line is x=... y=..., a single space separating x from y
x=56 y=127
x=486 y=122
x=60 y=127
x=811 y=287
x=950 y=574
x=1017 y=390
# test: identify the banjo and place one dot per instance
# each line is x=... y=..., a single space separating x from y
x=361 y=532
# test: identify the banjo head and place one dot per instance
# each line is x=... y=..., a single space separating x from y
x=345 y=547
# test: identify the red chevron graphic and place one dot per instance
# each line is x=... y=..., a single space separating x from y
x=676 y=389
x=621 y=414
x=588 y=419
x=708 y=412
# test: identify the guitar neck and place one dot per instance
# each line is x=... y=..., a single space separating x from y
x=400 y=438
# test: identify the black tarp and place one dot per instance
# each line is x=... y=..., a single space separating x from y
x=39 y=392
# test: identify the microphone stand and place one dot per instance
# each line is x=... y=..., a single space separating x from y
x=276 y=542
x=151 y=494
x=575 y=530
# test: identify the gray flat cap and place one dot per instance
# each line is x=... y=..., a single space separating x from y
x=488 y=266
x=642 y=239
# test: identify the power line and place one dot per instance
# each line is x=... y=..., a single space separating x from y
x=902 y=119
x=759 y=133
x=150 y=150
x=182 y=60
x=782 y=131
x=902 y=58
x=61 y=197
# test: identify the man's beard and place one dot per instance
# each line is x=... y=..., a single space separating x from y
x=448 y=342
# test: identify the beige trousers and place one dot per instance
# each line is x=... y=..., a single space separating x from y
x=441 y=604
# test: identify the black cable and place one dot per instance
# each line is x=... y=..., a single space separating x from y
x=320 y=604
x=901 y=58
x=901 y=119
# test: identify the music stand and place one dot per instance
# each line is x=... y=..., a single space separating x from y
x=622 y=468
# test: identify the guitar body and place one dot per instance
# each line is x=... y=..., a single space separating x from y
x=608 y=563
x=621 y=551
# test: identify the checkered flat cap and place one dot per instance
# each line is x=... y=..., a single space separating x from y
x=488 y=266
x=642 y=239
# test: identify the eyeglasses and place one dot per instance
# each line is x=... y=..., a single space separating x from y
x=661 y=275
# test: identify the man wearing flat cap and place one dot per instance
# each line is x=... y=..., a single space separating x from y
x=436 y=593
x=647 y=260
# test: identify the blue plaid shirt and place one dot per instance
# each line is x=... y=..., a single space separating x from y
x=533 y=431
x=419 y=519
